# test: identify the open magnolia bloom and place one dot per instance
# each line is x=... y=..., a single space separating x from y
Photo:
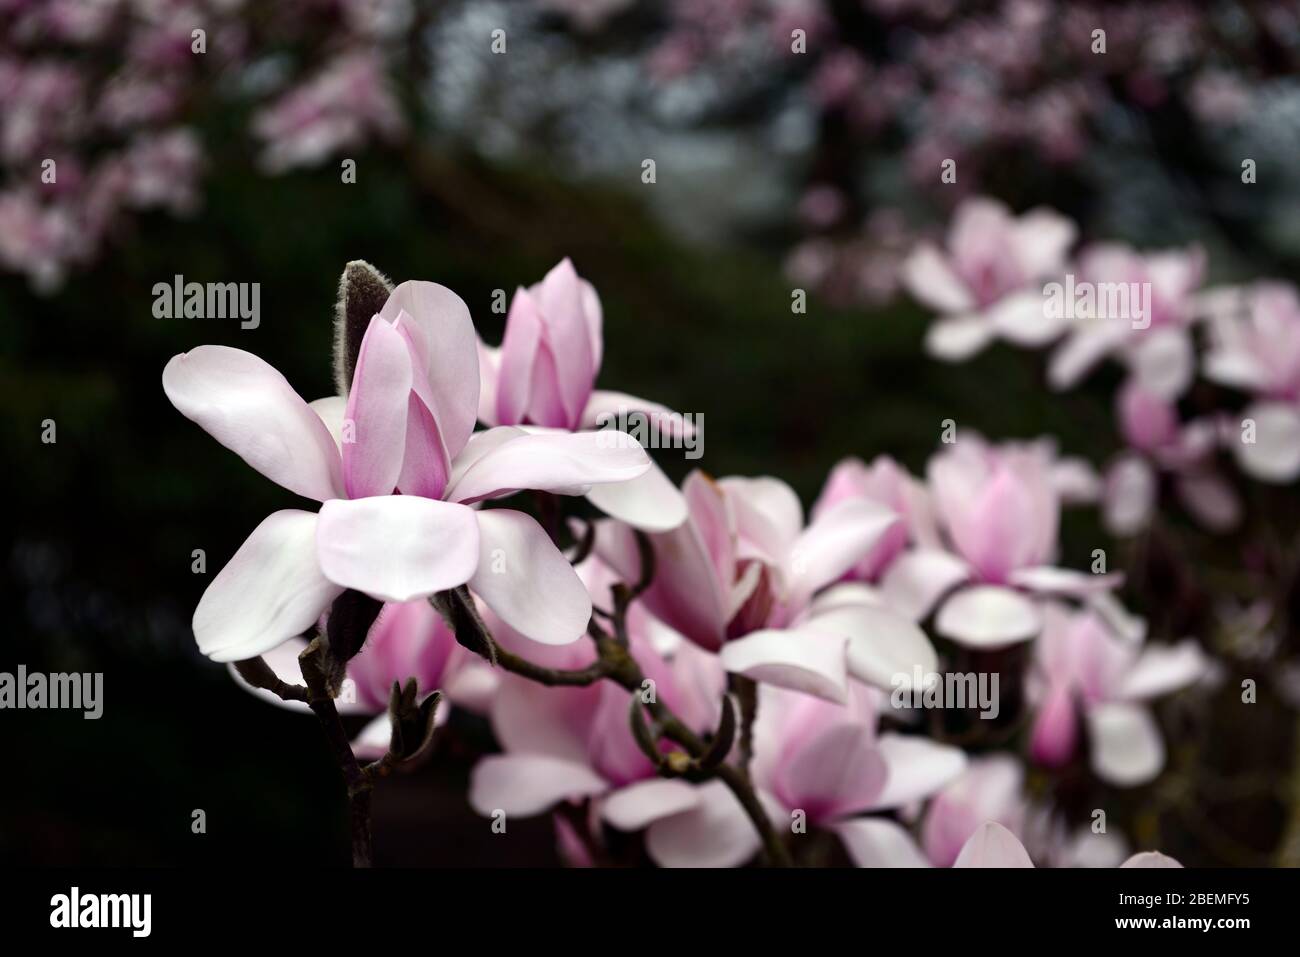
x=886 y=482
x=992 y=845
x=571 y=742
x=987 y=284
x=997 y=510
x=740 y=575
x=819 y=765
x=1148 y=327
x=407 y=640
x=405 y=427
x=544 y=373
x=1255 y=347
x=1083 y=665
x=1159 y=443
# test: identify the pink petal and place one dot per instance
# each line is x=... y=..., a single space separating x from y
x=1056 y=727
x=715 y=833
x=884 y=647
x=987 y=616
x=271 y=590
x=638 y=805
x=551 y=462
x=568 y=334
x=834 y=773
x=916 y=768
x=917 y=580
x=651 y=502
x=518 y=358
x=1126 y=746
x=377 y=408
x=879 y=842
x=836 y=540
x=397 y=547
x=929 y=277
x=1150 y=859
x=527 y=784
x=425 y=467
x=993 y=846
x=801 y=659
x=452 y=372
x=249 y=408
x=525 y=580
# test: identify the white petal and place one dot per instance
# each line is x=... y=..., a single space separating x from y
x=270 y=591
x=987 y=616
x=1151 y=859
x=397 y=547
x=1274 y=456
x=1127 y=749
x=802 y=659
x=992 y=845
x=917 y=767
x=651 y=502
x=958 y=338
x=526 y=784
x=917 y=580
x=714 y=833
x=640 y=804
x=883 y=645
x=526 y=581
x=879 y=842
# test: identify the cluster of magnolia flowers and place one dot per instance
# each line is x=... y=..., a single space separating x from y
x=109 y=92
x=1007 y=277
x=825 y=618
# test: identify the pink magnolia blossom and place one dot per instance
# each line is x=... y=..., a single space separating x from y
x=407 y=640
x=823 y=765
x=1161 y=444
x=992 y=845
x=1158 y=349
x=739 y=577
x=886 y=482
x=986 y=283
x=543 y=376
x=990 y=789
x=997 y=509
x=1084 y=668
x=567 y=743
x=405 y=427
x=1255 y=347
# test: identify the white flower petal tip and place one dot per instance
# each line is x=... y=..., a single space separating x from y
x=988 y=616
x=992 y=845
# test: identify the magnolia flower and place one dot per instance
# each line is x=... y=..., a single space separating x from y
x=1255 y=347
x=1083 y=666
x=1160 y=443
x=405 y=427
x=886 y=482
x=998 y=509
x=740 y=575
x=567 y=743
x=990 y=789
x=818 y=764
x=986 y=283
x=543 y=375
x=1157 y=346
x=995 y=846
x=407 y=640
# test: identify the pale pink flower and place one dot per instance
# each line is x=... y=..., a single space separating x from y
x=986 y=283
x=405 y=427
x=1085 y=668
